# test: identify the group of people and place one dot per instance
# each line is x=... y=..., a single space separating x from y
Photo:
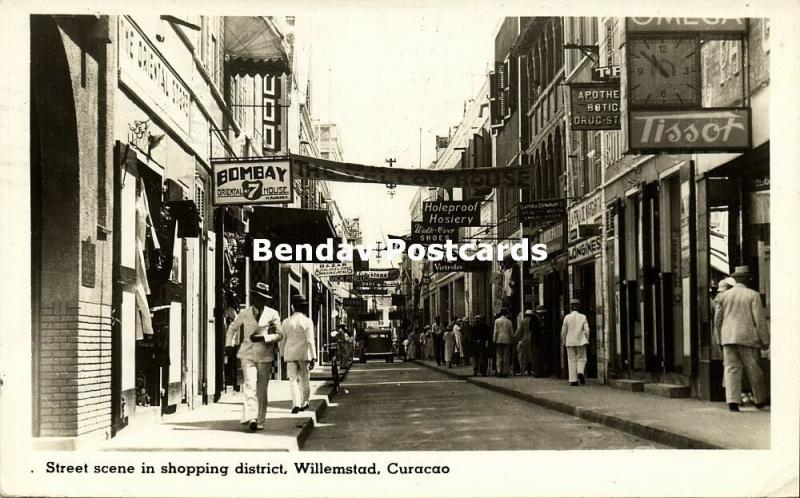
x=491 y=349
x=500 y=348
x=262 y=339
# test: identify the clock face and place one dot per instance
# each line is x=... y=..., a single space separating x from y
x=664 y=72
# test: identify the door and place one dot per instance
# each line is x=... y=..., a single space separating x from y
x=210 y=329
x=588 y=297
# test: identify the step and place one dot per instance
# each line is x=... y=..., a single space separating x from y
x=668 y=390
x=632 y=385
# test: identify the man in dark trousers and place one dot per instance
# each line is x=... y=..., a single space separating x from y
x=438 y=341
x=538 y=342
x=480 y=346
x=466 y=340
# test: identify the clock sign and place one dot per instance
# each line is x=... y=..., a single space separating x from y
x=664 y=73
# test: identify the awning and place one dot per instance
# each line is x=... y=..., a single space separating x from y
x=291 y=225
x=255 y=46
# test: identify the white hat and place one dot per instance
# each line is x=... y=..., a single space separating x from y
x=725 y=284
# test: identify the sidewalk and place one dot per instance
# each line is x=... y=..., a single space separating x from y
x=216 y=427
x=680 y=423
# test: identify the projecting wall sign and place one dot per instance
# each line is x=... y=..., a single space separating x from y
x=704 y=25
x=451 y=213
x=700 y=130
x=267 y=181
x=664 y=94
x=595 y=106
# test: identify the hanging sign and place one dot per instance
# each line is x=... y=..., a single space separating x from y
x=333 y=269
x=606 y=73
x=701 y=130
x=451 y=213
x=538 y=211
x=341 y=278
x=354 y=303
x=459 y=266
x=313 y=168
x=266 y=181
x=429 y=234
x=378 y=275
x=373 y=316
x=594 y=106
x=702 y=25
x=371 y=291
x=587 y=212
x=585 y=249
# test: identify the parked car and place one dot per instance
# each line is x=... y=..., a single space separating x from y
x=377 y=343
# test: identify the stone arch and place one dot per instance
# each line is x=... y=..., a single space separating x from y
x=558 y=157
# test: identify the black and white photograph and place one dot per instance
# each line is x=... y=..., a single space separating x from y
x=358 y=249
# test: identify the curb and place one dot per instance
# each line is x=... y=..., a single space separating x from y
x=318 y=407
x=654 y=434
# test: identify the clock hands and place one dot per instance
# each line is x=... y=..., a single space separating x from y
x=654 y=61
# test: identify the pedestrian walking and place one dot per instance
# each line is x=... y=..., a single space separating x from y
x=466 y=340
x=523 y=336
x=502 y=338
x=538 y=342
x=258 y=328
x=299 y=351
x=575 y=337
x=742 y=329
x=449 y=346
x=438 y=341
x=429 y=355
x=411 y=346
x=459 y=339
x=481 y=335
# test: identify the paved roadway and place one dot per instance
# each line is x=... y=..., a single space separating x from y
x=403 y=406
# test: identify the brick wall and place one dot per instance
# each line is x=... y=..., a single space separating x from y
x=75 y=368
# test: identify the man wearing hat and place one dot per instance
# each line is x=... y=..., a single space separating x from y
x=502 y=338
x=299 y=351
x=741 y=328
x=538 y=342
x=575 y=337
x=258 y=327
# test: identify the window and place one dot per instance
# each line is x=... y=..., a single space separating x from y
x=214 y=61
x=597 y=159
x=269 y=85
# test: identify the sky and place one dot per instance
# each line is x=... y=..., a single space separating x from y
x=382 y=74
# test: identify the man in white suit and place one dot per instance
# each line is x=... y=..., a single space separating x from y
x=575 y=337
x=741 y=328
x=299 y=351
x=258 y=328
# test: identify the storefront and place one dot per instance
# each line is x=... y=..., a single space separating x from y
x=549 y=282
x=584 y=238
x=733 y=229
x=649 y=267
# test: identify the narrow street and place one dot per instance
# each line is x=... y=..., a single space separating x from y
x=407 y=407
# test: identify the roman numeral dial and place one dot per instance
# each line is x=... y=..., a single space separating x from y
x=664 y=72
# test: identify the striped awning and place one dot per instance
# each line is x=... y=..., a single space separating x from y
x=255 y=46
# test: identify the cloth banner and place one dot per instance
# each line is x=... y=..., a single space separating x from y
x=322 y=169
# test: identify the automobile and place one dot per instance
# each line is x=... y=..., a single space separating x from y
x=377 y=343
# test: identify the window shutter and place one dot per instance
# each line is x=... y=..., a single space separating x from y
x=494 y=109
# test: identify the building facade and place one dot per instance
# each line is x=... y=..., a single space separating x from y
x=134 y=271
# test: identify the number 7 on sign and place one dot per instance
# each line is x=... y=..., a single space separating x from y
x=252 y=189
